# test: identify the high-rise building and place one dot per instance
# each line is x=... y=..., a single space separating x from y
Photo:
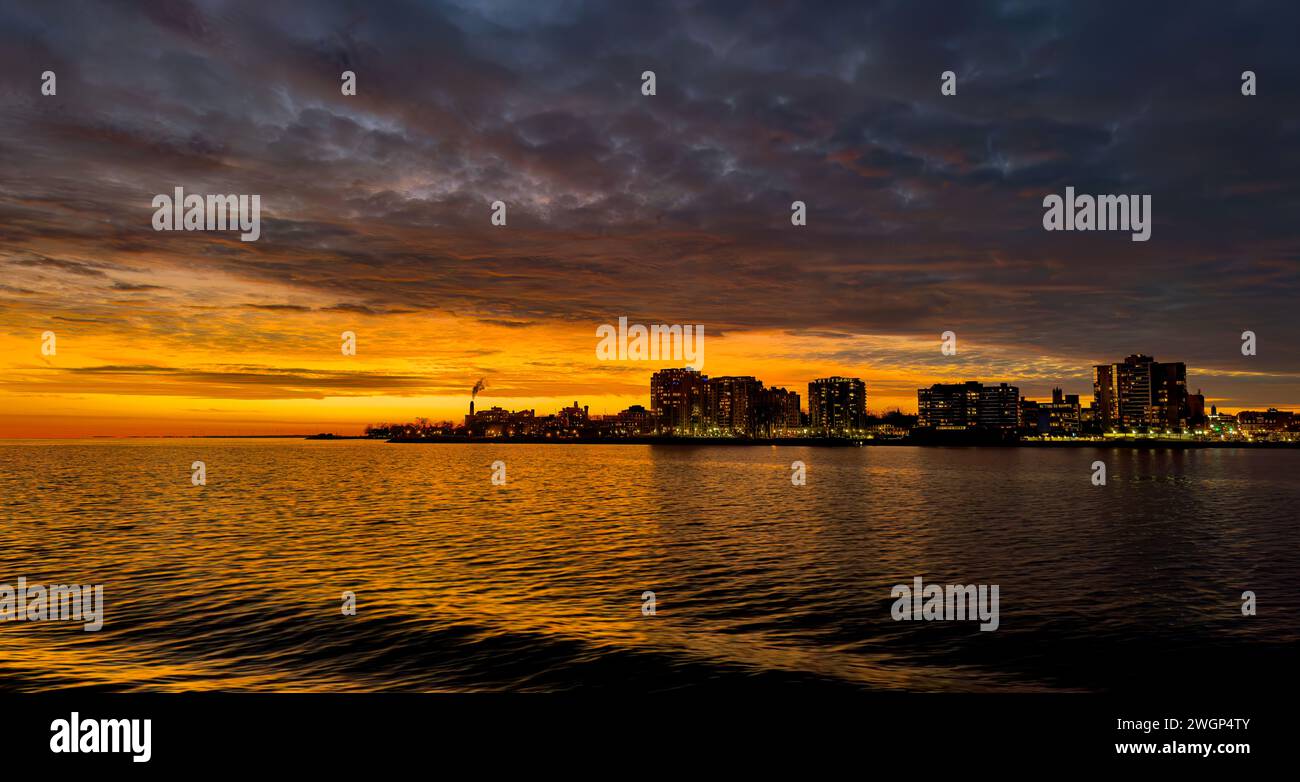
x=684 y=402
x=1196 y=409
x=970 y=405
x=1169 y=395
x=837 y=405
x=999 y=407
x=1105 y=397
x=677 y=400
x=1141 y=393
x=949 y=405
x=1134 y=383
x=732 y=405
x=779 y=414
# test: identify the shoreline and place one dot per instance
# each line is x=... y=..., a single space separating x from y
x=834 y=442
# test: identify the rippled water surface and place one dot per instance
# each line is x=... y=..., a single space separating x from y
x=536 y=585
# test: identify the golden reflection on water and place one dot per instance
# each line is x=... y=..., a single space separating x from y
x=463 y=585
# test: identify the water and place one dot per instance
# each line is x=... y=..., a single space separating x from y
x=536 y=585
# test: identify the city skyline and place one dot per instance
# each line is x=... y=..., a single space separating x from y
x=480 y=393
x=1138 y=395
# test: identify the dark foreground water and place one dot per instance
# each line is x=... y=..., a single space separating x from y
x=536 y=585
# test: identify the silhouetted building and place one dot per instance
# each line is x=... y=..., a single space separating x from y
x=1133 y=390
x=685 y=402
x=1141 y=393
x=1169 y=395
x=1196 y=410
x=968 y=406
x=1029 y=416
x=1105 y=396
x=779 y=414
x=499 y=422
x=732 y=405
x=1270 y=420
x=948 y=405
x=677 y=400
x=573 y=417
x=1063 y=416
x=999 y=407
x=837 y=405
x=636 y=420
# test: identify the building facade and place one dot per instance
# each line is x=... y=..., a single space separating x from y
x=999 y=408
x=1141 y=393
x=780 y=415
x=684 y=402
x=677 y=400
x=837 y=405
x=1062 y=417
x=732 y=406
x=948 y=405
x=968 y=406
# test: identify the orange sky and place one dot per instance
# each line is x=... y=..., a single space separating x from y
x=277 y=371
x=406 y=366
x=149 y=344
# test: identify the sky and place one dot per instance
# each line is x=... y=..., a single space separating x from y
x=924 y=210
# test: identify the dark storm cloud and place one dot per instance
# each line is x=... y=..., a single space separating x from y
x=924 y=211
x=128 y=287
x=236 y=382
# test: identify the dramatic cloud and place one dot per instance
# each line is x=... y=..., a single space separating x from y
x=924 y=210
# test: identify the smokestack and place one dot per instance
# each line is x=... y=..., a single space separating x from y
x=473 y=392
